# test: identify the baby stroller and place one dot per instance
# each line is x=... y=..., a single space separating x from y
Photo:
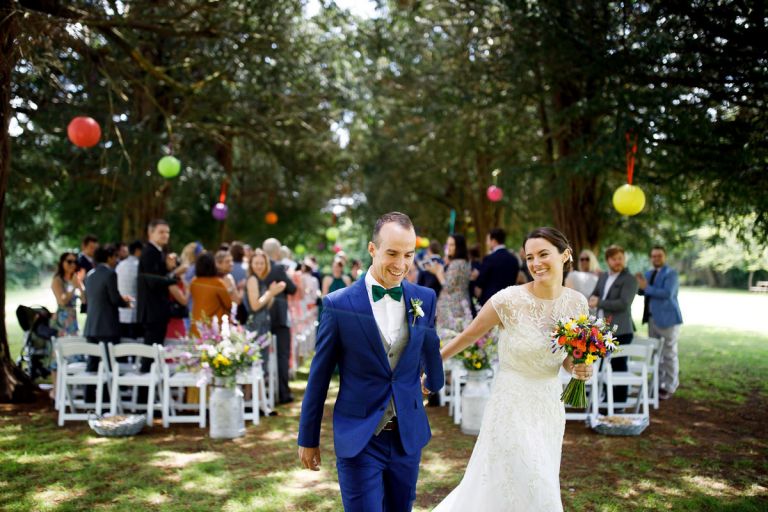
x=38 y=345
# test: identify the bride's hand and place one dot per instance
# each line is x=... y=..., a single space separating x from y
x=582 y=371
x=424 y=390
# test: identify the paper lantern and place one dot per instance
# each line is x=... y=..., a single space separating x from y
x=270 y=218
x=169 y=167
x=494 y=193
x=220 y=211
x=629 y=199
x=300 y=249
x=332 y=234
x=337 y=248
x=424 y=243
x=84 y=132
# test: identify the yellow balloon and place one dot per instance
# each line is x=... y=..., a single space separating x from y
x=629 y=199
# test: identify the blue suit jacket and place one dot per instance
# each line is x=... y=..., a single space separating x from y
x=348 y=337
x=665 y=309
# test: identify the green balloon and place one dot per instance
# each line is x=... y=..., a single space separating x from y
x=332 y=234
x=300 y=249
x=169 y=167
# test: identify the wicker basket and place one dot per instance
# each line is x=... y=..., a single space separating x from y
x=117 y=426
x=624 y=425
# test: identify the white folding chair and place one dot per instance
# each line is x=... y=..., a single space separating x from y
x=255 y=377
x=653 y=367
x=631 y=377
x=593 y=392
x=174 y=383
x=68 y=378
x=134 y=377
x=73 y=367
x=458 y=377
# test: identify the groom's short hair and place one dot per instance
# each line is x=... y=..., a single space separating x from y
x=401 y=219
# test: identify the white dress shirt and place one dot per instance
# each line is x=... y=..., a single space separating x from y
x=388 y=313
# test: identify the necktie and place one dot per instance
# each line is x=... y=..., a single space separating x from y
x=379 y=292
x=647 y=308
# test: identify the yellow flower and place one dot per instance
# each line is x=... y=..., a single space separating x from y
x=591 y=359
x=246 y=348
x=569 y=326
x=478 y=365
x=582 y=318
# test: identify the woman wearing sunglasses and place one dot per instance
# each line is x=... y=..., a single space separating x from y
x=585 y=278
x=66 y=285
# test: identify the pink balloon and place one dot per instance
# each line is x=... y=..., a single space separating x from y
x=220 y=211
x=494 y=193
x=337 y=248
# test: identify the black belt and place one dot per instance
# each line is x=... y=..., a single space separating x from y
x=390 y=426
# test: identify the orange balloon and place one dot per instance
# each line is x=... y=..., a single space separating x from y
x=270 y=218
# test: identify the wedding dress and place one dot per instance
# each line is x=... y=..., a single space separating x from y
x=515 y=465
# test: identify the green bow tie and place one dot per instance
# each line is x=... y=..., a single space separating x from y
x=379 y=292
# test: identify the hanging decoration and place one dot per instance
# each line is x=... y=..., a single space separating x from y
x=271 y=218
x=424 y=243
x=337 y=248
x=629 y=199
x=84 y=132
x=300 y=249
x=220 y=210
x=169 y=167
x=332 y=233
x=494 y=192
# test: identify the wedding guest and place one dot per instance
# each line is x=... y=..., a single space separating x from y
x=286 y=259
x=662 y=313
x=239 y=271
x=413 y=275
x=337 y=280
x=224 y=265
x=127 y=283
x=66 y=285
x=102 y=325
x=259 y=295
x=311 y=284
x=427 y=278
x=499 y=268
x=612 y=297
x=355 y=270
x=85 y=261
x=279 y=318
x=153 y=301
x=475 y=260
x=453 y=311
x=122 y=251
x=178 y=300
x=585 y=278
x=209 y=294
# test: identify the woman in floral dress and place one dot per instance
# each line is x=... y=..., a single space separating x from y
x=453 y=309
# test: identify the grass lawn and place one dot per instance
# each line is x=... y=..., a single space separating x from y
x=706 y=450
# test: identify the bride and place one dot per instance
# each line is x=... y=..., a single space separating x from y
x=515 y=465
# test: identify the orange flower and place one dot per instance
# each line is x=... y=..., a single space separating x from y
x=561 y=340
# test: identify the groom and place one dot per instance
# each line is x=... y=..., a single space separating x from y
x=381 y=333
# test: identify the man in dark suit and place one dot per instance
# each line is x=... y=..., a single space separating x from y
x=613 y=296
x=279 y=316
x=498 y=270
x=152 y=301
x=103 y=321
x=85 y=261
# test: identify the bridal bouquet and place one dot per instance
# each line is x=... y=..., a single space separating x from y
x=223 y=350
x=586 y=339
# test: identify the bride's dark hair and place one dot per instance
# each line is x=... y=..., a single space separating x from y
x=557 y=239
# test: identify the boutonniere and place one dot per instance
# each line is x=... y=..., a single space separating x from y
x=416 y=310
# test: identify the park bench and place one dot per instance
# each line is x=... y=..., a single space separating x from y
x=761 y=286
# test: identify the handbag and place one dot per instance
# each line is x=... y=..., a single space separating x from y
x=178 y=310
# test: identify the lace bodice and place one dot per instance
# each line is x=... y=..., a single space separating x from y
x=527 y=321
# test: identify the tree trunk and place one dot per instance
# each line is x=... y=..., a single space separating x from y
x=15 y=386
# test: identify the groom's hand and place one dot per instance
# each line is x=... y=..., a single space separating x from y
x=310 y=457
x=424 y=390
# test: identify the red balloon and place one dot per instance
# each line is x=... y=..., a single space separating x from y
x=494 y=193
x=337 y=248
x=270 y=218
x=84 y=132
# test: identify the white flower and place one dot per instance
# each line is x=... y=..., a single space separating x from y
x=416 y=310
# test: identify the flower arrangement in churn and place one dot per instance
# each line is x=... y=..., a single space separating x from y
x=223 y=350
x=586 y=339
x=478 y=356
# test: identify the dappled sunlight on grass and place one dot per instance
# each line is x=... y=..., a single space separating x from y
x=218 y=485
x=711 y=486
x=170 y=459
x=52 y=496
x=300 y=481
